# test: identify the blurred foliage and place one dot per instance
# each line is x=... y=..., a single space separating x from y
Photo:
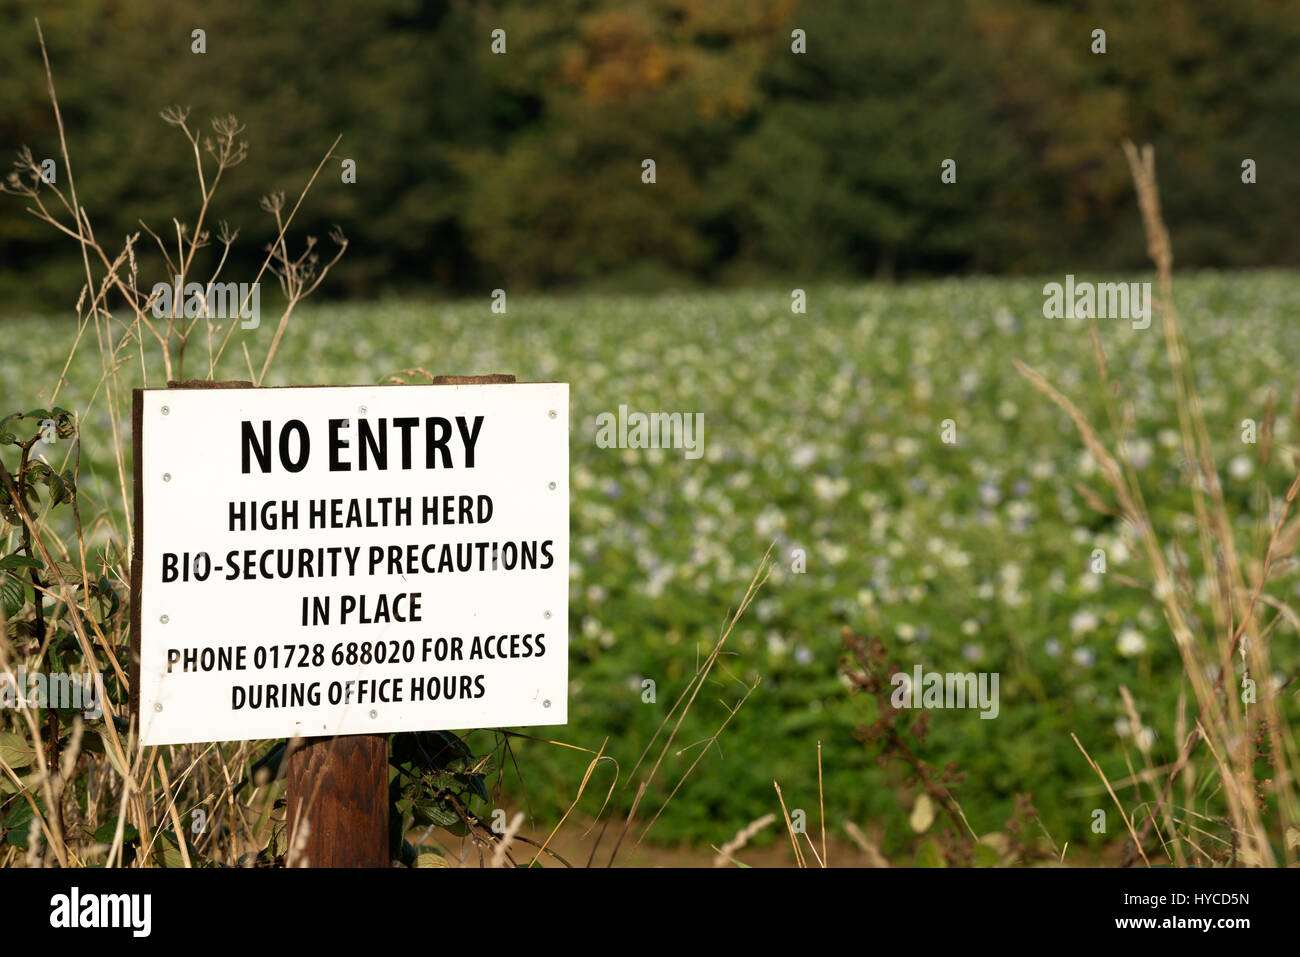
x=477 y=169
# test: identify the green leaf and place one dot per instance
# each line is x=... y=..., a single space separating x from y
x=170 y=848
x=434 y=812
x=71 y=573
x=431 y=750
x=106 y=600
x=18 y=822
x=15 y=750
x=477 y=786
x=19 y=561
x=278 y=844
x=171 y=856
x=12 y=595
x=105 y=833
x=25 y=783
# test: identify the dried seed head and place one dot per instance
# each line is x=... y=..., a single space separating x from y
x=175 y=115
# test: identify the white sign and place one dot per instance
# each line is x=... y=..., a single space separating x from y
x=321 y=561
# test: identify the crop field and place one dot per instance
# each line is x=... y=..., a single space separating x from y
x=910 y=484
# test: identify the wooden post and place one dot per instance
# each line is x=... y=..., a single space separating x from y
x=337 y=791
x=338 y=786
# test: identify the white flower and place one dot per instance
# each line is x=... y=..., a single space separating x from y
x=906 y=447
x=833 y=552
x=1082 y=622
x=803 y=456
x=1131 y=642
x=1241 y=468
x=829 y=490
x=768 y=522
x=1138 y=452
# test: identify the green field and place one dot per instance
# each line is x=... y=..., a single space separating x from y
x=822 y=432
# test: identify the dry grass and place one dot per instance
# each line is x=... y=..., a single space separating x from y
x=1221 y=750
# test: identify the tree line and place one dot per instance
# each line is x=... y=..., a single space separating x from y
x=505 y=144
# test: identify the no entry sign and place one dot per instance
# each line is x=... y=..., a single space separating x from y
x=349 y=560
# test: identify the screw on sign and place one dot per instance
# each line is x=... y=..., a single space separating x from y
x=242 y=631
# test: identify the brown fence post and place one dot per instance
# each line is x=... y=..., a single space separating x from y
x=337 y=790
